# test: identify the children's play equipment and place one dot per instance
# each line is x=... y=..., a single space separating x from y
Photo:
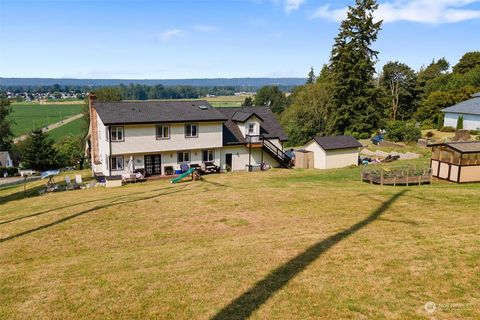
x=190 y=171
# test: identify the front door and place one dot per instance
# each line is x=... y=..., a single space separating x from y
x=153 y=164
x=228 y=161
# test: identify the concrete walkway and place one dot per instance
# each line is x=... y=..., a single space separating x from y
x=51 y=127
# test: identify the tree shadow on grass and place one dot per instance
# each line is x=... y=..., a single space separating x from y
x=30 y=192
x=216 y=184
x=81 y=213
x=244 y=305
x=78 y=204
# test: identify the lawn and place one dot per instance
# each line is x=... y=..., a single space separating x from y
x=72 y=128
x=290 y=244
x=28 y=116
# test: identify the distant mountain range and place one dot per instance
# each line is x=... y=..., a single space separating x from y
x=218 y=82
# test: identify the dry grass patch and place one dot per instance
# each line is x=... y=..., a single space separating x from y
x=291 y=244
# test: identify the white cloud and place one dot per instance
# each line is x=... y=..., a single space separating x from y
x=421 y=11
x=292 y=5
x=170 y=34
x=205 y=28
x=324 y=12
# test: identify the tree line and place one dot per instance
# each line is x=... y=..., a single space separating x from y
x=349 y=97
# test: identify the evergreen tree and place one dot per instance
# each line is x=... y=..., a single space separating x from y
x=5 y=128
x=311 y=76
x=460 y=123
x=38 y=152
x=353 y=67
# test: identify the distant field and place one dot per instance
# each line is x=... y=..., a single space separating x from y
x=72 y=128
x=221 y=101
x=28 y=116
x=227 y=101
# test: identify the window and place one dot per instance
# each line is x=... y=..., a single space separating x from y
x=208 y=155
x=116 y=162
x=191 y=130
x=251 y=128
x=183 y=156
x=163 y=132
x=117 y=133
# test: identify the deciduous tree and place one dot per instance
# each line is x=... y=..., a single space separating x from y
x=469 y=61
x=399 y=82
x=271 y=96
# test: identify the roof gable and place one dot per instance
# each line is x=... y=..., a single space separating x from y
x=337 y=142
x=270 y=126
x=242 y=116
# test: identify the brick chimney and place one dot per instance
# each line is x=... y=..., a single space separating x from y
x=93 y=129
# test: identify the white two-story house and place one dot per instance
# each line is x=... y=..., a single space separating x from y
x=160 y=136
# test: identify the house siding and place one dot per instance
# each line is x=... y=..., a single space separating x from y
x=167 y=159
x=332 y=159
x=101 y=165
x=470 y=121
x=142 y=139
x=240 y=157
x=341 y=158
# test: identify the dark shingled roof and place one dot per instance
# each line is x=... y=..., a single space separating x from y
x=471 y=106
x=129 y=112
x=337 y=142
x=270 y=126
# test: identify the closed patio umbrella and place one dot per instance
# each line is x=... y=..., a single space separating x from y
x=131 y=165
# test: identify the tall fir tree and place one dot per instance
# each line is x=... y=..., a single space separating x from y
x=355 y=95
x=5 y=125
x=38 y=152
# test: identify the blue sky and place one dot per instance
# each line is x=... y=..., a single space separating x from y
x=213 y=38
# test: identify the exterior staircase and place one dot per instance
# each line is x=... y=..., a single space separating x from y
x=269 y=147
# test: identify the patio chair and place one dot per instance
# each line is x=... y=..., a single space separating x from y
x=69 y=184
x=78 y=179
